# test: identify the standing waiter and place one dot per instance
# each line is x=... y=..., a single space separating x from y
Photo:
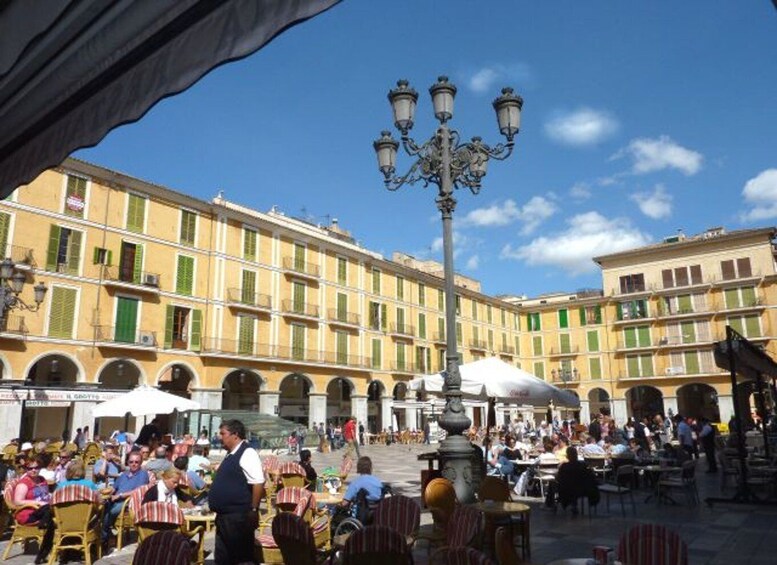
x=234 y=496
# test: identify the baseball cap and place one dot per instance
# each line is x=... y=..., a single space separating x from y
x=26 y=445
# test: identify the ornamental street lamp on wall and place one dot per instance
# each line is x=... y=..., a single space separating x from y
x=11 y=286
x=444 y=160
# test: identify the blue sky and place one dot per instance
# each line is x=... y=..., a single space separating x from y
x=639 y=119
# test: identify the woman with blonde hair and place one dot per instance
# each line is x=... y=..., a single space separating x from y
x=75 y=474
x=167 y=489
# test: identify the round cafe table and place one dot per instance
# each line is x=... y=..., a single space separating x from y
x=195 y=519
x=493 y=509
x=325 y=498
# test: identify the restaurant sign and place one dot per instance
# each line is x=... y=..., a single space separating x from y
x=53 y=397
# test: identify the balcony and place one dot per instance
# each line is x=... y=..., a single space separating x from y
x=112 y=336
x=507 y=350
x=664 y=313
x=684 y=340
x=402 y=331
x=340 y=358
x=294 y=266
x=570 y=351
x=622 y=345
x=439 y=338
x=213 y=346
x=404 y=367
x=116 y=277
x=298 y=354
x=22 y=256
x=756 y=304
x=12 y=327
x=302 y=310
x=676 y=371
x=480 y=344
x=338 y=317
x=251 y=301
x=635 y=318
x=753 y=276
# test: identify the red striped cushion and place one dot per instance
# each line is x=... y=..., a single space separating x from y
x=463 y=526
x=652 y=544
x=320 y=524
x=270 y=463
x=73 y=493
x=290 y=495
x=265 y=540
x=160 y=513
x=10 y=486
x=345 y=466
x=136 y=497
x=399 y=513
x=291 y=468
x=376 y=539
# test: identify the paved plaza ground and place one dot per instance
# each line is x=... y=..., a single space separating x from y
x=725 y=534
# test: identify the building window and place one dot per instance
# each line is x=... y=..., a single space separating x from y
x=539 y=370
x=503 y=314
x=342 y=271
x=64 y=252
x=458 y=333
x=131 y=262
x=248 y=287
x=62 y=310
x=595 y=368
x=188 y=228
x=489 y=314
x=563 y=318
x=421 y=294
x=474 y=310
x=639 y=365
x=341 y=347
x=536 y=342
x=633 y=310
x=490 y=340
x=75 y=197
x=375 y=281
x=422 y=325
x=245 y=335
x=250 y=240
x=564 y=343
x=298 y=291
x=377 y=347
x=517 y=341
x=747 y=326
x=102 y=256
x=183 y=328
x=400 y=350
x=533 y=323
x=592 y=338
x=681 y=276
x=632 y=283
x=742 y=297
x=298 y=342
x=378 y=316
x=423 y=356
x=590 y=315
x=440 y=329
x=736 y=269
x=458 y=305
x=136 y=213
x=636 y=337
x=400 y=288
x=516 y=321
x=184 y=280
x=126 y=319
x=683 y=304
x=5 y=231
x=440 y=300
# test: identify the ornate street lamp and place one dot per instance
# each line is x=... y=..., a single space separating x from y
x=448 y=163
x=11 y=286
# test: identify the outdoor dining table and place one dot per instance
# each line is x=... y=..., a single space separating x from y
x=196 y=518
x=656 y=471
x=493 y=509
x=326 y=498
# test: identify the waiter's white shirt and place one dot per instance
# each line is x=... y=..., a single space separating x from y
x=250 y=464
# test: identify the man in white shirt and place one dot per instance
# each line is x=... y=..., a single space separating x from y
x=592 y=449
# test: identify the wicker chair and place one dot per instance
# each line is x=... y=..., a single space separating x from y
x=78 y=519
x=646 y=544
x=401 y=514
x=460 y=556
x=292 y=475
x=168 y=547
x=321 y=525
x=92 y=453
x=294 y=539
x=266 y=548
x=376 y=545
x=21 y=533
x=126 y=518
x=154 y=517
x=440 y=498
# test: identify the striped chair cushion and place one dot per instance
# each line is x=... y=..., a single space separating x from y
x=320 y=524
x=399 y=513
x=461 y=556
x=136 y=497
x=375 y=539
x=462 y=527
x=74 y=493
x=651 y=544
x=160 y=513
x=168 y=547
x=265 y=540
x=345 y=466
x=10 y=486
x=183 y=479
x=270 y=463
x=291 y=495
x=291 y=468
x=302 y=506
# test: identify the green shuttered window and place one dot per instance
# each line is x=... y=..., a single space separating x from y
x=62 y=312
x=342 y=270
x=5 y=229
x=593 y=340
x=184 y=281
x=245 y=342
x=248 y=288
x=64 y=251
x=595 y=367
x=188 y=227
x=126 y=319
x=250 y=238
x=136 y=213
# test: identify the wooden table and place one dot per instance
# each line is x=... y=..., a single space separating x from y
x=195 y=519
x=493 y=509
x=327 y=498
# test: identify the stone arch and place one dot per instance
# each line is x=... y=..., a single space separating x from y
x=80 y=373
x=5 y=368
x=339 y=391
x=165 y=372
x=60 y=363
x=376 y=390
x=644 y=401
x=399 y=392
x=293 y=397
x=598 y=398
x=241 y=390
x=698 y=400
x=115 y=371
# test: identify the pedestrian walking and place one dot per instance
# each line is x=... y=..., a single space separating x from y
x=707 y=439
x=234 y=496
x=349 y=435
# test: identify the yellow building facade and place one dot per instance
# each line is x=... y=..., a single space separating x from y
x=239 y=309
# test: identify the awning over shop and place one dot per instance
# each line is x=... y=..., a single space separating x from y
x=72 y=70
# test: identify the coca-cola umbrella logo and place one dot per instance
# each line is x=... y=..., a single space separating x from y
x=516 y=393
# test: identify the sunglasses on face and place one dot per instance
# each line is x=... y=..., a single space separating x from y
x=32 y=467
x=134 y=462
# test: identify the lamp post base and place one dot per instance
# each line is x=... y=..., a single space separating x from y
x=457 y=465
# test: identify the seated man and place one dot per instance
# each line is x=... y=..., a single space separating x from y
x=160 y=462
x=310 y=473
x=108 y=467
x=198 y=462
x=124 y=484
x=366 y=480
x=195 y=480
x=575 y=480
x=592 y=449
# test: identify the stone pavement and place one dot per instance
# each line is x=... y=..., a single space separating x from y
x=725 y=534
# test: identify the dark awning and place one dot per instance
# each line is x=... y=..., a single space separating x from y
x=72 y=70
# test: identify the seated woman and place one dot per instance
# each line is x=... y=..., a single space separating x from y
x=75 y=474
x=310 y=472
x=32 y=489
x=510 y=454
x=575 y=480
x=167 y=490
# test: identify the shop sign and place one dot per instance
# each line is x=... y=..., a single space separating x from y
x=71 y=395
x=75 y=203
x=46 y=404
x=12 y=396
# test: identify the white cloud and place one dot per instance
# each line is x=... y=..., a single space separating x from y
x=656 y=204
x=580 y=191
x=584 y=126
x=587 y=235
x=473 y=263
x=460 y=242
x=650 y=155
x=486 y=78
x=760 y=193
x=531 y=214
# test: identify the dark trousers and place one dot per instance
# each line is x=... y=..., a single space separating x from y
x=709 y=451
x=234 y=538
x=45 y=521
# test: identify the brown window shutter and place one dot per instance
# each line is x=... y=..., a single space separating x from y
x=727 y=270
x=681 y=276
x=668 y=279
x=743 y=268
x=696 y=274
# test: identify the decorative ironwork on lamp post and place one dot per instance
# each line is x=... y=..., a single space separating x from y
x=444 y=160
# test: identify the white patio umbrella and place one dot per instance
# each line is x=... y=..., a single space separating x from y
x=493 y=378
x=144 y=401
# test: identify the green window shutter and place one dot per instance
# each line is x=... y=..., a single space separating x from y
x=503 y=314
x=595 y=367
x=96 y=256
x=136 y=212
x=109 y=259
x=249 y=244
x=537 y=345
x=62 y=312
x=691 y=362
x=643 y=336
x=342 y=271
x=299 y=257
x=581 y=311
x=737 y=325
x=383 y=317
x=564 y=343
x=5 y=227
x=422 y=326
x=401 y=356
x=245 y=344
x=421 y=294
x=373 y=313
x=474 y=310
x=630 y=337
x=489 y=314
x=476 y=333
x=732 y=298
x=137 y=267
x=688 y=331
x=376 y=354
x=458 y=333
x=593 y=340
x=74 y=252
x=620 y=311
x=400 y=288
x=188 y=227
x=185 y=275
x=441 y=327
x=342 y=307
x=195 y=335
x=248 y=288
x=684 y=304
x=748 y=296
x=563 y=318
x=342 y=347
x=401 y=318
x=598 y=314
x=169 y=317
x=126 y=319
x=753 y=326
x=647 y=365
x=297 y=341
x=76 y=186
x=539 y=370
x=440 y=300
x=632 y=366
x=491 y=339
x=298 y=297
x=517 y=341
